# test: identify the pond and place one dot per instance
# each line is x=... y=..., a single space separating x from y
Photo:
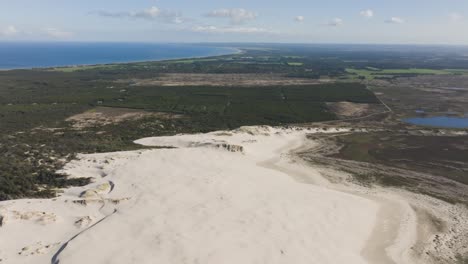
x=439 y=121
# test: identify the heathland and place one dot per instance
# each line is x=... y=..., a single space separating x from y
x=325 y=125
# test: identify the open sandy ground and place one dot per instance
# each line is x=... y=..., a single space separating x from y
x=217 y=79
x=224 y=197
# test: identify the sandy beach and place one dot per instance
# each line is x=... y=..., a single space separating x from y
x=239 y=196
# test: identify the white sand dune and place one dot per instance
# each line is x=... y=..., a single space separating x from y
x=221 y=197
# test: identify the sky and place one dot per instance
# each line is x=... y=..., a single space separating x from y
x=291 y=21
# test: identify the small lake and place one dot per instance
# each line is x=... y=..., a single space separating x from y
x=439 y=121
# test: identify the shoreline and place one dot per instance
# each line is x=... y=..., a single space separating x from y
x=234 y=51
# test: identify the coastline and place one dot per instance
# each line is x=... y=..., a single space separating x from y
x=233 y=51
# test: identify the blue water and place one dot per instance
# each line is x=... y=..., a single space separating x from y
x=439 y=121
x=35 y=55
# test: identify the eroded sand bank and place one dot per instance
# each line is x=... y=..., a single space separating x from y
x=222 y=197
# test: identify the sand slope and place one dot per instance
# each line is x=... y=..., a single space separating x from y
x=216 y=198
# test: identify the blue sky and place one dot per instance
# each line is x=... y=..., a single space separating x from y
x=304 y=21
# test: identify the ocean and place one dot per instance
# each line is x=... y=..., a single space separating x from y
x=25 y=55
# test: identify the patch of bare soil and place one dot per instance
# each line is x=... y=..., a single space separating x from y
x=348 y=109
x=101 y=116
x=189 y=79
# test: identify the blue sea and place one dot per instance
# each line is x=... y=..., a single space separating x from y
x=37 y=55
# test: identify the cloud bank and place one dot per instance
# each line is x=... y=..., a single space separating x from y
x=299 y=19
x=395 y=20
x=455 y=17
x=335 y=22
x=368 y=13
x=152 y=13
x=238 y=30
x=57 y=33
x=9 y=31
x=235 y=15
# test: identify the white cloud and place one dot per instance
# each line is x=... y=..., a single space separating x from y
x=235 y=15
x=9 y=31
x=57 y=33
x=299 y=19
x=335 y=22
x=41 y=33
x=239 y=30
x=368 y=13
x=152 y=13
x=455 y=17
x=395 y=20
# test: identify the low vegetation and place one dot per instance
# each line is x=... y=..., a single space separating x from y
x=442 y=156
x=36 y=139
